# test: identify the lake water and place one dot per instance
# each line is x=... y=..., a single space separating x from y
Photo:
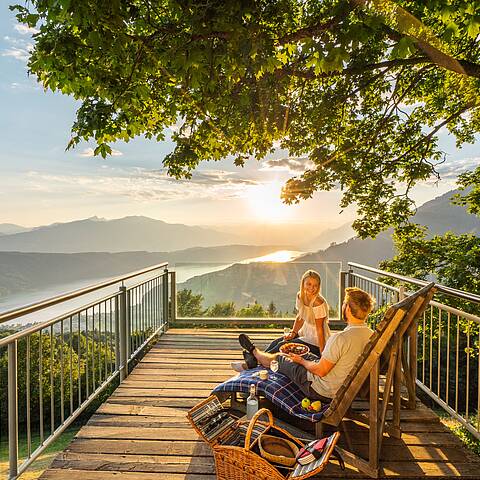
x=183 y=273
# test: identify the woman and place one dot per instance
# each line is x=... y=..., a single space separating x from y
x=310 y=327
x=311 y=323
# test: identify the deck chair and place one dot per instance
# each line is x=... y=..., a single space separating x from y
x=397 y=328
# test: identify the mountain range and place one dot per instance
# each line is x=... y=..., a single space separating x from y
x=120 y=235
x=438 y=214
x=11 y=228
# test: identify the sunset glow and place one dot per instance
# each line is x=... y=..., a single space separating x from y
x=280 y=256
x=266 y=203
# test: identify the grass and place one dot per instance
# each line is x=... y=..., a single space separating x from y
x=470 y=442
x=44 y=460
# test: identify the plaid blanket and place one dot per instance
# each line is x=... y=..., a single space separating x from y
x=281 y=391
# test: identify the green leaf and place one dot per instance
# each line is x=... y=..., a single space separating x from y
x=403 y=48
x=473 y=29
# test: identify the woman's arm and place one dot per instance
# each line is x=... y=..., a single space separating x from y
x=297 y=325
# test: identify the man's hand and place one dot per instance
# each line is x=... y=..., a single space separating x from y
x=296 y=358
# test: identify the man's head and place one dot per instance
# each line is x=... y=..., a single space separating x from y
x=359 y=303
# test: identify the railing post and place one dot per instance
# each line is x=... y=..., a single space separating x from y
x=117 y=333
x=173 y=300
x=341 y=296
x=165 y=299
x=123 y=333
x=12 y=410
x=350 y=277
x=128 y=333
x=401 y=293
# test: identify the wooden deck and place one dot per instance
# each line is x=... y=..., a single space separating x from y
x=141 y=433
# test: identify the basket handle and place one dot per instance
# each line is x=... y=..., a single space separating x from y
x=252 y=423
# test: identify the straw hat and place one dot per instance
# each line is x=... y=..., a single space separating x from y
x=277 y=450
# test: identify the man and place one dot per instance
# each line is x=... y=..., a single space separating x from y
x=320 y=378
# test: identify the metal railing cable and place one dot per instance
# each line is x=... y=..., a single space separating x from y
x=57 y=368
x=448 y=346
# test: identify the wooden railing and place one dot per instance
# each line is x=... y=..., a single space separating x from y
x=447 y=343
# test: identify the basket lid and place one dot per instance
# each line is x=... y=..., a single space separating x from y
x=316 y=466
x=210 y=419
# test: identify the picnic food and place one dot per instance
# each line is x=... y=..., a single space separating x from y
x=305 y=403
x=310 y=406
x=296 y=348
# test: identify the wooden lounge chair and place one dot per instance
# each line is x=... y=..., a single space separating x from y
x=397 y=328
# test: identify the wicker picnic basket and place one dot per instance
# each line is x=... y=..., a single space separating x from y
x=235 y=445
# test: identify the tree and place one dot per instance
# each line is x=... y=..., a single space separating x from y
x=189 y=304
x=255 y=310
x=223 y=309
x=356 y=91
x=272 y=310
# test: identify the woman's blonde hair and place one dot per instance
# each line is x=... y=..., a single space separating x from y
x=308 y=274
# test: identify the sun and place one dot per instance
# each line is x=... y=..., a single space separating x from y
x=266 y=204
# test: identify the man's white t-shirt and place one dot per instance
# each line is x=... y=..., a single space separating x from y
x=342 y=349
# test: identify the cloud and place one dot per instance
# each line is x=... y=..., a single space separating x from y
x=19 y=48
x=89 y=152
x=291 y=165
x=25 y=30
x=451 y=169
x=17 y=53
x=206 y=178
x=143 y=185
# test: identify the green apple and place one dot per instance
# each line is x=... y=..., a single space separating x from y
x=305 y=403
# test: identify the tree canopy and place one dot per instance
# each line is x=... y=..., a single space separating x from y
x=360 y=89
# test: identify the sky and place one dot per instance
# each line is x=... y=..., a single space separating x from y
x=44 y=184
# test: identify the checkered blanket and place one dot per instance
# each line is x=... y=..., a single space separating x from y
x=281 y=391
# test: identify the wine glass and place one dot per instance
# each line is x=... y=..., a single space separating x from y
x=274 y=368
x=286 y=331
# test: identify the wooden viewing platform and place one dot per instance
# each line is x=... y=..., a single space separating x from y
x=141 y=431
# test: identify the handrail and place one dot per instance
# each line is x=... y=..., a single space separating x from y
x=376 y=282
x=35 y=307
x=421 y=283
x=37 y=327
x=92 y=344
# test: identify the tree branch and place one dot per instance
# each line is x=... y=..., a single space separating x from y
x=310 y=74
x=315 y=30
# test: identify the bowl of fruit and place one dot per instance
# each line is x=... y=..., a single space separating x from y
x=296 y=348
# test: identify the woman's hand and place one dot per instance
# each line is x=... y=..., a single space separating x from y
x=296 y=358
x=290 y=336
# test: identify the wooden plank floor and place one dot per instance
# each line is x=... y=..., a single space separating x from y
x=141 y=433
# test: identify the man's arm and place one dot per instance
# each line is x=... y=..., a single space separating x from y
x=320 y=368
x=319 y=324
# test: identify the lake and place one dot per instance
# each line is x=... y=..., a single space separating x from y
x=184 y=271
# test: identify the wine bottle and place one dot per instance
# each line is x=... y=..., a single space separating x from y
x=252 y=403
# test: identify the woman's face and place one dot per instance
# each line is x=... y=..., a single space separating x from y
x=311 y=286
